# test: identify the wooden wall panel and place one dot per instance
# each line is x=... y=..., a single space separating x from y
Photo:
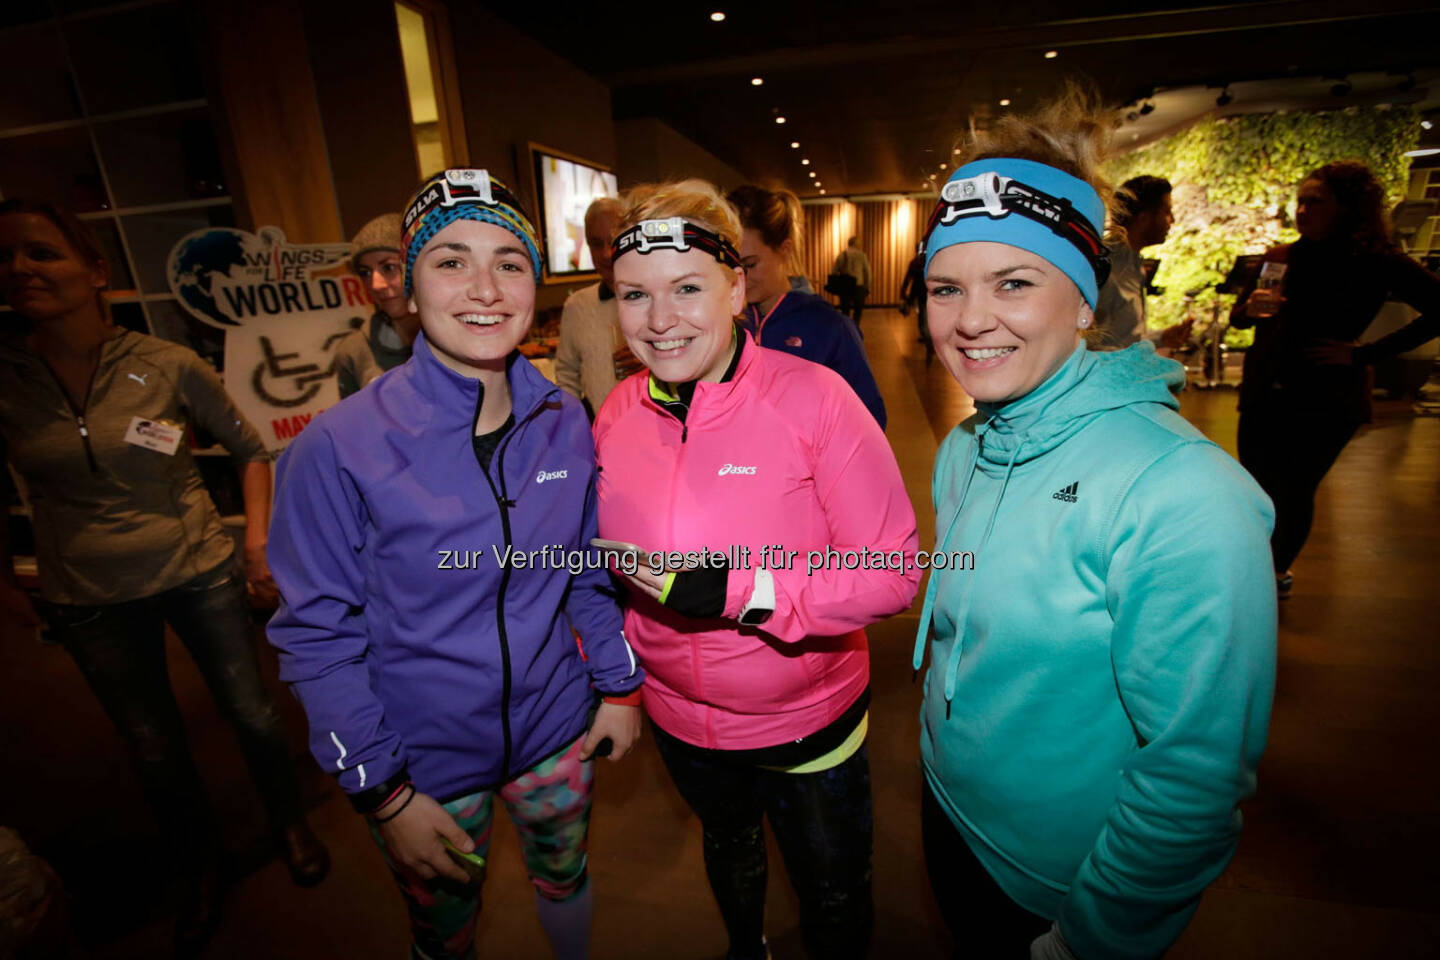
x=889 y=230
x=269 y=119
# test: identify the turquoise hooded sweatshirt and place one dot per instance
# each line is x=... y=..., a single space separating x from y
x=1100 y=680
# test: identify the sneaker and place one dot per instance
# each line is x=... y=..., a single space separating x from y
x=1283 y=583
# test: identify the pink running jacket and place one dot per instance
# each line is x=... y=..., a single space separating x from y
x=782 y=454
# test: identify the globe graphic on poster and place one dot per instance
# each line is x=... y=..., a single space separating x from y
x=199 y=262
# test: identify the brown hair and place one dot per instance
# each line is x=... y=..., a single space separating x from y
x=1070 y=133
x=1363 y=220
x=775 y=215
x=693 y=200
x=79 y=236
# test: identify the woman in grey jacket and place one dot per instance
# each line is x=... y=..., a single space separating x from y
x=93 y=417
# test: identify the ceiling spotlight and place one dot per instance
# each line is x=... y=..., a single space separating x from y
x=942 y=166
x=812 y=173
x=756 y=81
x=805 y=161
x=717 y=16
x=779 y=119
x=1005 y=102
x=822 y=193
x=1147 y=108
x=956 y=151
x=1426 y=124
x=1225 y=99
x=819 y=184
x=1051 y=54
x=1341 y=89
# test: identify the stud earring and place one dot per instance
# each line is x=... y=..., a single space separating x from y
x=1084 y=321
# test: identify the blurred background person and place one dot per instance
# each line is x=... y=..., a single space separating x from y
x=385 y=341
x=853 y=263
x=1306 y=386
x=1143 y=215
x=783 y=318
x=592 y=356
x=94 y=418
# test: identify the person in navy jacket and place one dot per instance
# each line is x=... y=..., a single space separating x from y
x=786 y=319
x=424 y=541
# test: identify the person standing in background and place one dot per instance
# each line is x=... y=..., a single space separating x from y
x=386 y=340
x=853 y=263
x=1144 y=215
x=93 y=418
x=783 y=318
x=592 y=357
x=1306 y=388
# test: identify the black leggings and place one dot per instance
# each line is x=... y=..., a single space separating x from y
x=823 y=826
x=983 y=920
x=120 y=649
x=1288 y=455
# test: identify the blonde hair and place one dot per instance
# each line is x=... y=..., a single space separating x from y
x=775 y=215
x=695 y=201
x=1070 y=133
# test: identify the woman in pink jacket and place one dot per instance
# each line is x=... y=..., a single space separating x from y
x=782 y=529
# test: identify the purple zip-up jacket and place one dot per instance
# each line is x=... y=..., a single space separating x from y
x=414 y=651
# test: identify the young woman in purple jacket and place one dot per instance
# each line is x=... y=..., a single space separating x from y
x=425 y=541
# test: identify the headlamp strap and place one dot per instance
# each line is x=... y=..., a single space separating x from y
x=996 y=196
x=460 y=186
x=674 y=233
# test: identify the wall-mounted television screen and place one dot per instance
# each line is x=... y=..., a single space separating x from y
x=565 y=187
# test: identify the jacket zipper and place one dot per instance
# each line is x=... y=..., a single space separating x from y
x=504 y=502
x=78 y=415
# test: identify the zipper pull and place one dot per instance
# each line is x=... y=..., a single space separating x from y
x=684 y=432
x=80 y=422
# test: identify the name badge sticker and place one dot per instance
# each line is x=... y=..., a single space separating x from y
x=154 y=435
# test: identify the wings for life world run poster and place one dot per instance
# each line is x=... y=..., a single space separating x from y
x=567 y=189
x=283 y=307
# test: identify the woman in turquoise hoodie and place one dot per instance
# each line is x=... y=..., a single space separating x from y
x=1100 y=679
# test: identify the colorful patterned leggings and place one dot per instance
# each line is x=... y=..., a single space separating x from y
x=550 y=807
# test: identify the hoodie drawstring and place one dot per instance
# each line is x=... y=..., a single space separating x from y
x=922 y=634
x=953 y=667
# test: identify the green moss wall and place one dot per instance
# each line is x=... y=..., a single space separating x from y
x=1235 y=180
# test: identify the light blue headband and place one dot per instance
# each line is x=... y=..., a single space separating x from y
x=1028 y=205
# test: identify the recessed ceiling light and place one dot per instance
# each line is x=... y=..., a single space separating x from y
x=1426 y=124
x=717 y=16
x=1005 y=102
x=957 y=151
x=942 y=166
x=818 y=183
x=805 y=161
x=794 y=144
x=822 y=192
x=812 y=173
x=1051 y=54
x=756 y=81
x=779 y=119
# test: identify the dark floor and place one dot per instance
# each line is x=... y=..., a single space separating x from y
x=1338 y=856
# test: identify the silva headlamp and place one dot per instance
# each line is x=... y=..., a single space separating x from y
x=674 y=233
x=992 y=195
x=460 y=186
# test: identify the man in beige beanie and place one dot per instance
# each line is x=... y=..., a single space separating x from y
x=385 y=341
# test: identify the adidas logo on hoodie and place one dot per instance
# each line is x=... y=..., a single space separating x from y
x=1068 y=494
